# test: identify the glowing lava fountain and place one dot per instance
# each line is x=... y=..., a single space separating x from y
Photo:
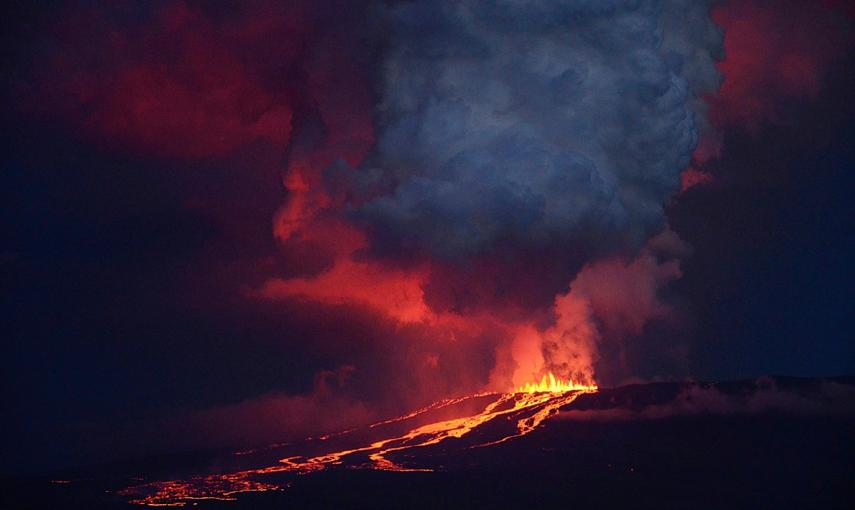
x=389 y=447
x=548 y=383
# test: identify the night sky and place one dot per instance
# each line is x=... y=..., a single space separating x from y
x=234 y=224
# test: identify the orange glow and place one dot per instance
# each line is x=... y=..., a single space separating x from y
x=396 y=292
x=549 y=383
x=527 y=407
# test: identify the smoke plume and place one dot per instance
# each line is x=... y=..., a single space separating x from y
x=526 y=126
x=520 y=142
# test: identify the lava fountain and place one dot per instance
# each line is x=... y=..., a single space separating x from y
x=389 y=447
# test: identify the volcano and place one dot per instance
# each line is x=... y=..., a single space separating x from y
x=770 y=442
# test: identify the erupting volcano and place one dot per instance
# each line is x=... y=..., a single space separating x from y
x=506 y=449
x=502 y=417
x=434 y=253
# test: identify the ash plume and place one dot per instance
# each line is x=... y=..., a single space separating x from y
x=525 y=126
x=545 y=135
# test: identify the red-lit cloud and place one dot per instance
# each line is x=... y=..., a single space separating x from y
x=692 y=177
x=178 y=84
x=395 y=292
x=775 y=51
x=189 y=84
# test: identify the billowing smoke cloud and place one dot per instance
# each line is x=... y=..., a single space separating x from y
x=542 y=137
x=535 y=125
x=517 y=143
x=609 y=305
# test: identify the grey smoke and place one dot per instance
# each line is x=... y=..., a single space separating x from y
x=543 y=124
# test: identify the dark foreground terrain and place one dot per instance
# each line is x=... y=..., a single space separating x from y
x=770 y=443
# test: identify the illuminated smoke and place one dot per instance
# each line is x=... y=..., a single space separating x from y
x=506 y=129
x=517 y=144
x=513 y=145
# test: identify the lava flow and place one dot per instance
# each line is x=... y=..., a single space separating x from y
x=524 y=410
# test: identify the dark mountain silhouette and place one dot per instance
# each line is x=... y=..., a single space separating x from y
x=774 y=442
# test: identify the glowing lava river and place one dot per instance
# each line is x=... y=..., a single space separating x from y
x=411 y=442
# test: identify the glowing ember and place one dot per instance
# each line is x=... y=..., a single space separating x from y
x=549 y=383
x=526 y=408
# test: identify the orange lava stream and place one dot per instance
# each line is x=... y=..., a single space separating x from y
x=214 y=487
x=436 y=405
x=532 y=404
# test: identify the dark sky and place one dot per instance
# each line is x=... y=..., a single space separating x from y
x=221 y=228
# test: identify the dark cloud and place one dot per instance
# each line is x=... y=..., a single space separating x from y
x=562 y=127
x=765 y=395
x=768 y=278
x=776 y=52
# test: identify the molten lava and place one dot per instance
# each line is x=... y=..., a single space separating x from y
x=515 y=414
x=549 y=383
